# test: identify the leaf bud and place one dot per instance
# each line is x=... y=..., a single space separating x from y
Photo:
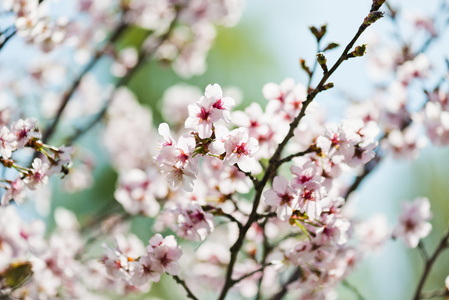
x=331 y=46
x=372 y=17
x=321 y=59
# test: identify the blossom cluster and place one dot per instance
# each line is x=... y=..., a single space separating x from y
x=22 y=134
x=162 y=256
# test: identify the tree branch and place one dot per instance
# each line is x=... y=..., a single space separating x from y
x=143 y=56
x=293 y=277
x=69 y=93
x=273 y=162
x=186 y=288
x=443 y=244
x=435 y=293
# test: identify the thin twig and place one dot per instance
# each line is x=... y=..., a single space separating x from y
x=251 y=273
x=293 y=277
x=144 y=56
x=248 y=174
x=220 y=213
x=186 y=288
x=435 y=293
x=266 y=248
x=69 y=93
x=353 y=289
x=6 y=39
x=443 y=244
x=423 y=251
x=290 y=157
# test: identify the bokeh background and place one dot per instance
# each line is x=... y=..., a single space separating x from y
x=265 y=47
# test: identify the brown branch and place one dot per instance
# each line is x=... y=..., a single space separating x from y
x=443 y=244
x=368 y=168
x=143 y=57
x=7 y=38
x=251 y=273
x=302 y=153
x=248 y=174
x=69 y=93
x=266 y=248
x=273 y=162
x=293 y=277
x=435 y=293
x=186 y=288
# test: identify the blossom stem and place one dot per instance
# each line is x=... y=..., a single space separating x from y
x=443 y=244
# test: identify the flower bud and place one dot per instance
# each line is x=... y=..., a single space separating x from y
x=303 y=65
x=328 y=86
x=331 y=46
x=321 y=59
x=359 y=51
x=372 y=17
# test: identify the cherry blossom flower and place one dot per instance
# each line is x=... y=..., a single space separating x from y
x=16 y=192
x=136 y=193
x=309 y=200
x=209 y=109
x=413 y=222
x=166 y=252
x=178 y=164
x=193 y=223
x=145 y=270
x=7 y=142
x=24 y=130
x=116 y=263
x=38 y=177
x=240 y=149
x=282 y=196
x=338 y=142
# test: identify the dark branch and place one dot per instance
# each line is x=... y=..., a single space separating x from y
x=273 y=162
x=69 y=93
x=443 y=244
x=186 y=288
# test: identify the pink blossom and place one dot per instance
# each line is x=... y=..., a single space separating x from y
x=166 y=252
x=16 y=192
x=338 y=142
x=310 y=197
x=24 y=130
x=38 y=177
x=136 y=193
x=413 y=222
x=240 y=149
x=7 y=142
x=178 y=164
x=209 y=109
x=193 y=223
x=282 y=196
x=147 y=269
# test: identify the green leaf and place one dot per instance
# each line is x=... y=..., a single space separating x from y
x=16 y=274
